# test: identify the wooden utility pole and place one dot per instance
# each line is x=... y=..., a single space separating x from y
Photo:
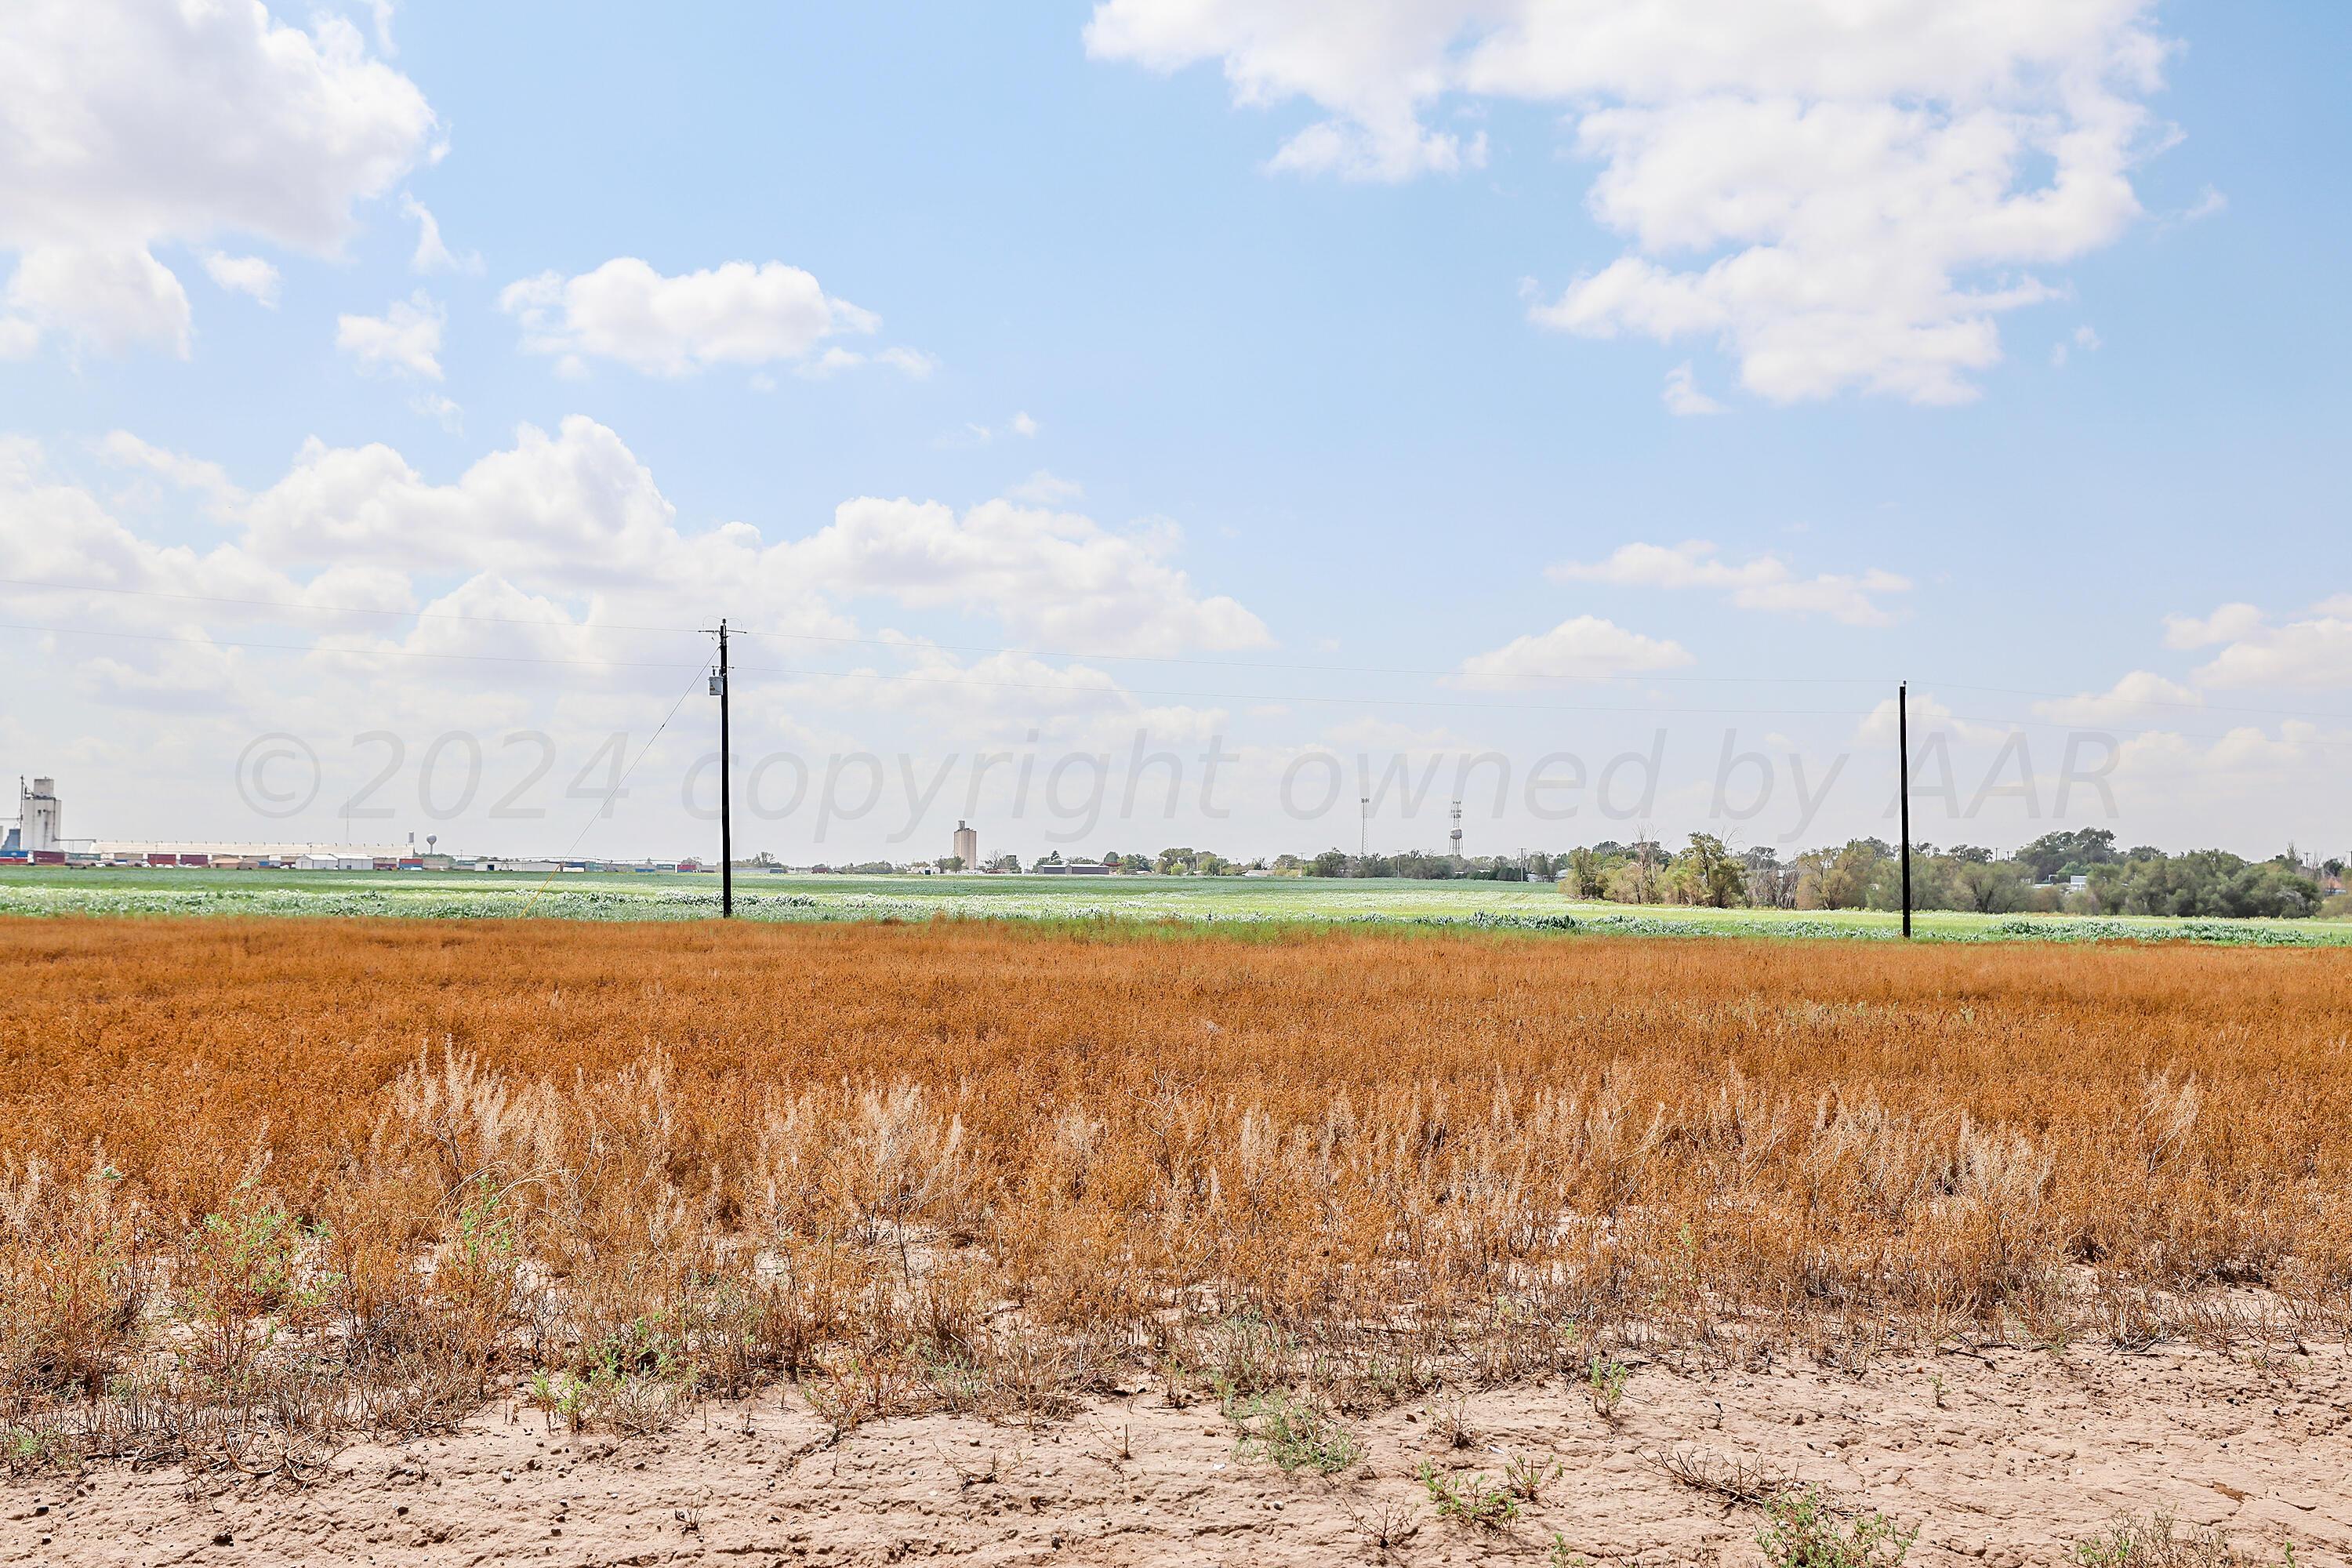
x=1903 y=745
x=726 y=791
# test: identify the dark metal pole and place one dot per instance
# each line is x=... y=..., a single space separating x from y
x=726 y=793
x=1903 y=745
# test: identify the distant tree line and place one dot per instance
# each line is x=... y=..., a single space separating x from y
x=1861 y=874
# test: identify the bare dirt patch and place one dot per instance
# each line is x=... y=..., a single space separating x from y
x=2005 y=1458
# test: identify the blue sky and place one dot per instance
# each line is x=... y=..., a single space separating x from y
x=1326 y=404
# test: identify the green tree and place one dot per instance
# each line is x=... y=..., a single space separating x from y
x=1840 y=878
x=1713 y=874
x=1990 y=886
x=2205 y=882
x=1640 y=876
x=2072 y=852
x=1586 y=874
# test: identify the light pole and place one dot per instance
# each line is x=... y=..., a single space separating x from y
x=725 y=793
x=1903 y=745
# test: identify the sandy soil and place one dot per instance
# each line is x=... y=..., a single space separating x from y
x=2009 y=1462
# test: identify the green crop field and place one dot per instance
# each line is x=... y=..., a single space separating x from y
x=464 y=895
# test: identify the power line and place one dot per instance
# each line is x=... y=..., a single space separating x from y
x=352 y=652
x=1644 y=678
x=1287 y=696
x=1317 y=699
x=614 y=793
x=899 y=645
x=904 y=646
x=1440 y=703
x=2140 y=701
x=304 y=607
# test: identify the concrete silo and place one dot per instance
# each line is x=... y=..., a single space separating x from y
x=39 y=816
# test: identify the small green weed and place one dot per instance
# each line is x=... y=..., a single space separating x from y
x=1472 y=1501
x=2157 y=1539
x=24 y=1451
x=1605 y=1385
x=1524 y=1477
x=248 y=1276
x=1291 y=1433
x=1802 y=1531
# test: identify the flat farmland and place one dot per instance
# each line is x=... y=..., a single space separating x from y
x=1450 y=1244
x=799 y=898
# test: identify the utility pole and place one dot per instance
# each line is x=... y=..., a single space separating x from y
x=726 y=789
x=1903 y=745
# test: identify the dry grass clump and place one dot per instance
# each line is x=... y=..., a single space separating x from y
x=262 y=1184
x=2158 y=1539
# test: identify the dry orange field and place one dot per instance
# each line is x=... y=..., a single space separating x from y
x=266 y=1185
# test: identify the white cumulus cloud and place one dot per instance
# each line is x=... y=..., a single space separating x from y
x=913 y=363
x=1584 y=649
x=433 y=253
x=1047 y=488
x=576 y=511
x=561 y=546
x=244 y=275
x=125 y=124
x=2314 y=649
x=123 y=447
x=443 y=411
x=107 y=297
x=1054 y=578
x=1765 y=582
x=1683 y=396
x=2141 y=698
x=1883 y=725
x=2224 y=625
x=1839 y=195
x=737 y=313
x=2086 y=338
x=406 y=338
x=1372 y=68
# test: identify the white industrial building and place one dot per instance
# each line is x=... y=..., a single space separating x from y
x=222 y=852
x=39 y=836
x=966 y=846
x=40 y=819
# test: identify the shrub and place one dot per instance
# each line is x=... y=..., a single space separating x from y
x=1802 y=1531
